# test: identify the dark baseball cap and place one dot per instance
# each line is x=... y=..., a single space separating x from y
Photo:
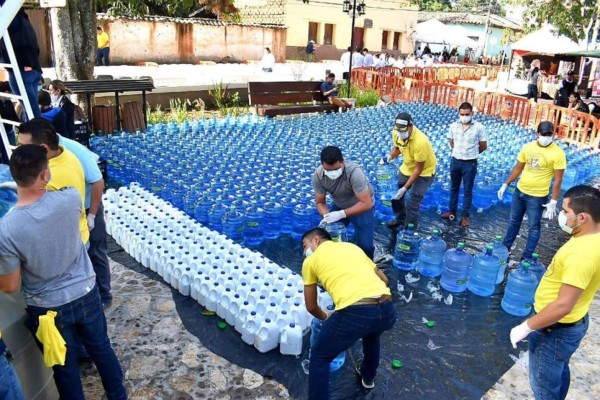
x=403 y=120
x=545 y=128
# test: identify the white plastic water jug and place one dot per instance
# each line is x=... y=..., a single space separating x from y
x=234 y=308
x=176 y=274
x=195 y=289
x=290 y=341
x=241 y=316
x=214 y=295
x=250 y=328
x=185 y=282
x=205 y=287
x=168 y=269
x=224 y=302
x=267 y=337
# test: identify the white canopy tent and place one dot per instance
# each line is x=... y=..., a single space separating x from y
x=433 y=31
x=544 y=41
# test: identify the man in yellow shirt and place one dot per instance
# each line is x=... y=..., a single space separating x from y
x=65 y=168
x=363 y=307
x=563 y=298
x=537 y=163
x=417 y=171
x=103 y=52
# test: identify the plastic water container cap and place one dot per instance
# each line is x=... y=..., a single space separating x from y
x=498 y=238
x=526 y=265
x=253 y=313
x=246 y=303
x=284 y=312
x=262 y=297
x=435 y=232
x=489 y=247
x=216 y=284
x=172 y=257
x=411 y=226
x=180 y=262
x=237 y=296
x=272 y=304
x=292 y=325
x=460 y=245
x=535 y=256
x=227 y=290
x=268 y=320
x=188 y=269
x=331 y=307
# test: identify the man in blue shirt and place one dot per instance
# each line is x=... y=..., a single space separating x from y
x=94 y=186
x=330 y=91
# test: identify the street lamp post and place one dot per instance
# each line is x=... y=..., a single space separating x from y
x=348 y=7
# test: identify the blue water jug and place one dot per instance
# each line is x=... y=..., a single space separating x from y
x=215 y=217
x=337 y=230
x=457 y=263
x=302 y=220
x=340 y=359
x=431 y=255
x=272 y=220
x=520 y=291
x=233 y=225
x=253 y=231
x=8 y=199
x=482 y=279
x=384 y=211
x=387 y=183
x=536 y=267
x=501 y=252
x=406 y=253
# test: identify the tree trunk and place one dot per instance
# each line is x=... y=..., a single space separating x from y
x=74 y=40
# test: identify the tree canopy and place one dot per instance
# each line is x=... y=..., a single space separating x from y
x=576 y=19
x=224 y=9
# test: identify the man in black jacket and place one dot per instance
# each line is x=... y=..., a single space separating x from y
x=27 y=52
x=565 y=89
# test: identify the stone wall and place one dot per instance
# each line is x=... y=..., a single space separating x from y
x=170 y=41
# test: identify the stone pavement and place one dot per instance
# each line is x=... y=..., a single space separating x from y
x=160 y=358
x=585 y=369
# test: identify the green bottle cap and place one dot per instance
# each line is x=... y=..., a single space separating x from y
x=430 y=324
x=498 y=238
x=435 y=232
x=222 y=325
x=396 y=364
x=460 y=245
x=526 y=265
x=535 y=256
x=489 y=247
x=411 y=226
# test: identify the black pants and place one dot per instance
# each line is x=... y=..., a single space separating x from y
x=532 y=92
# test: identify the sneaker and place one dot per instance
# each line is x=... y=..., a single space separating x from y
x=448 y=215
x=367 y=384
x=465 y=222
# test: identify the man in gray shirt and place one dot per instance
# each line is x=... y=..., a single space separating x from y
x=351 y=192
x=40 y=246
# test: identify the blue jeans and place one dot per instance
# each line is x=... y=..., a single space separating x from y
x=523 y=203
x=97 y=252
x=31 y=80
x=339 y=332
x=363 y=229
x=465 y=171
x=85 y=319
x=549 y=353
x=102 y=56
x=10 y=388
x=407 y=211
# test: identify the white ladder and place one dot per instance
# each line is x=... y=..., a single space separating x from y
x=7 y=14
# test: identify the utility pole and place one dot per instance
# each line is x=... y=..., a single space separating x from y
x=487 y=29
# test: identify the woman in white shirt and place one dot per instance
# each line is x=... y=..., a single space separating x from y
x=268 y=61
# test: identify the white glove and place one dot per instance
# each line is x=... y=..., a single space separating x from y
x=400 y=193
x=519 y=333
x=8 y=185
x=334 y=216
x=502 y=190
x=385 y=160
x=550 y=212
x=91 y=218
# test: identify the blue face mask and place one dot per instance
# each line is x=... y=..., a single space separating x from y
x=40 y=88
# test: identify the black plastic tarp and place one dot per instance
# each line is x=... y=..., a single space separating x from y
x=470 y=339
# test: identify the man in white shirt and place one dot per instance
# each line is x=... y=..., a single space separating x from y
x=467 y=140
x=357 y=59
x=345 y=59
x=368 y=61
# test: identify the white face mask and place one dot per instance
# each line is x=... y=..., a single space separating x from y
x=562 y=222
x=544 y=141
x=333 y=175
x=403 y=135
x=54 y=98
x=308 y=252
x=465 y=119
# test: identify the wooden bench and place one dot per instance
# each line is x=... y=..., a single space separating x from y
x=286 y=98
